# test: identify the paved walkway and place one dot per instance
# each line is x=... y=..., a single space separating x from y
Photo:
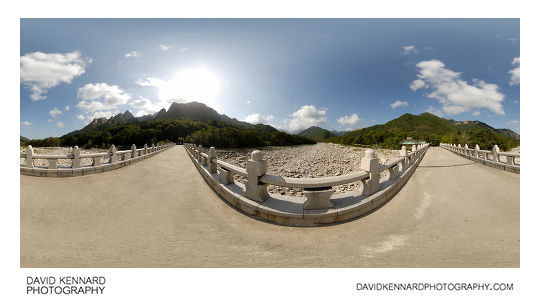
x=160 y=213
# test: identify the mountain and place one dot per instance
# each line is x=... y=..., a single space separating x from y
x=316 y=133
x=509 y=133
x=193 y=109
x=119 y=118
x=24 y=139
x=433 y=129
x=191 y=122
x=338 y=133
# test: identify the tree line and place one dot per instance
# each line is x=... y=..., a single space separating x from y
x=213 y=133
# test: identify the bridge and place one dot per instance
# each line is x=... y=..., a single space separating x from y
x=160 y=212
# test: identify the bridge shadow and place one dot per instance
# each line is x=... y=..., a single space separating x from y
x=453 y=165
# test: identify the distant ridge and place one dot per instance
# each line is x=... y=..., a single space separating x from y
x=431 y=128
x=316 y=133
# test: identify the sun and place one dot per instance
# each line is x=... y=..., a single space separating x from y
x=194 y=84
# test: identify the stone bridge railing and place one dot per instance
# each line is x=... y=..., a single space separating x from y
x=493 y=158
x=319 y=205
x=115 y=159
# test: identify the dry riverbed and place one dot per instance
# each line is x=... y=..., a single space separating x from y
x=307 y=161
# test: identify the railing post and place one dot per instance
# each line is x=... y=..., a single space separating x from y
x=29 y=162
x=199 y=156
x=256 y=167
x=495 y=152
x=152 y=149
x=112 y=154
x=76 y=162
x=476 y=149
x=145 y=149
x=466 y=149
x=211 y=156
x=133 y=151
x=370 y=164
x=403 y=153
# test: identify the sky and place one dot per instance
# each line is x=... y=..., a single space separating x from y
x=339 y=74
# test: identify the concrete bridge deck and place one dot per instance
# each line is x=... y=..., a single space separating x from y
x=161 y=213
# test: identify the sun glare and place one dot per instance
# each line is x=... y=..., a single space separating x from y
x=196 y=84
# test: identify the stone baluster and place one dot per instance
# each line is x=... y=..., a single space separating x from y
x=510 y=160
x=394 y=172
x=53 y=163
x=153 y=148
x=126 y=156
x=495 y=152
x=256 y=167
x=76 y=162
x=405 y=162
x=112 y=154
x=96 y=161
x=211 y=156
x=225 y=176
x=29 y=162
x=370 y=164
x=145 y=149
x=133 y=151
x=476 y=149
x=466 y=149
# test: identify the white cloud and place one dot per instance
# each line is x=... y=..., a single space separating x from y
x=476 y=113
x=455 y=94
x=248 y=102
x=60 y=124
x=351 y=120
x=516 y=101
x=49 y=120
x=80 y=117
x=305 y=117
x=435 y=111
x=132 y=54
x=184 y=49
x=100 y=97
x=409 y=49
x=513 y=122
x=417 y=84
x=43 y=71
x=145 y=106
x=26 y=124
x=399 y=103
x=67 y=108
x=514 y=79
x=55 y=112
x=258 y=118
x=165 y=47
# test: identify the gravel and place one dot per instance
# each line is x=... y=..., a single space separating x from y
x=307 y=161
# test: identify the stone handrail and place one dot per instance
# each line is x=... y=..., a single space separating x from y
x=490 y=158
x=317 y=191
x=116 y=159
